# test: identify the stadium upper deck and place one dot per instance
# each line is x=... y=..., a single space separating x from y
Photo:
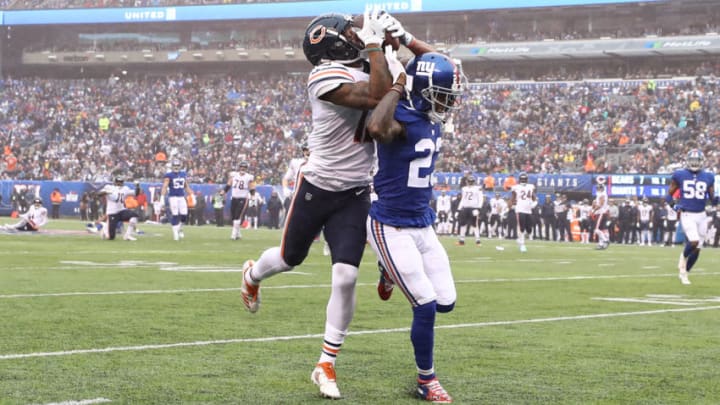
x=214 y=45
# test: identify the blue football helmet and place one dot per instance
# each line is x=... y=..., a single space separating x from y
x=436 y=83
x=326 y=39
x=695 y=160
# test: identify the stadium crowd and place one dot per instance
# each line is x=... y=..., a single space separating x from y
x=90 y=129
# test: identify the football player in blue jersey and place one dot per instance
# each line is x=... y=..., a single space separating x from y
x=176 y=187
x=689 y=191
x=407 y=125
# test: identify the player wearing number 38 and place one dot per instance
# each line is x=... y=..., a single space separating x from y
x=407 y=124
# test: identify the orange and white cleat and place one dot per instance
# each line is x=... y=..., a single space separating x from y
x=250 y=293
x=432 y=391
x=324 y=377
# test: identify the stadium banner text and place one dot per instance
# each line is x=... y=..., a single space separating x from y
x=299 y=9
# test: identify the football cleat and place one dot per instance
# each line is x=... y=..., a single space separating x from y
x=523 y=249
x=129 y=237
x=460 y=243
x=433 y=392
x=478 y=243
x=385 y=284
x=250 y=293
x=324 y=377
x=683 y=276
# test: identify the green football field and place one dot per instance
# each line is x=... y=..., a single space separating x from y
x=161 y=322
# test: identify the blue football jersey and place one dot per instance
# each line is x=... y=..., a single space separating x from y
x=405 y=168
x=176 y=186
x=693 y=189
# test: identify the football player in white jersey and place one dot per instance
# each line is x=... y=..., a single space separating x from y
x=32 y=220
x=332 y=192
x=600 y=209
x=471 y=202
x=290 y=178
x=240 y=182
x=115 y=208
x=645 y=213
x=443 y=213
x=584 y=213
x=671 y=218
x=255 y=202
x=497 y=207
x=524 y=200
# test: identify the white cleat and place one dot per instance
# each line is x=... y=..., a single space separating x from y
x=130 y=238
x=523 y=249
x=324 y=377
x=683 y=276
x=181 y=234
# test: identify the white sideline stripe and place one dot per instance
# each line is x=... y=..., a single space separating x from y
x=285 y=287
x=644 y=301
x=82 y=402
x=362 y=332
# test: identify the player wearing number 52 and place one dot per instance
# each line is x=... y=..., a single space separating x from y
x=696 y=187
x=408 y=125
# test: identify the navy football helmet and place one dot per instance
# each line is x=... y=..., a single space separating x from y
x=695 y=160
x=119 y=180
x=37 y=201
x=326 y=39
x=523 y=177
x=437 y=83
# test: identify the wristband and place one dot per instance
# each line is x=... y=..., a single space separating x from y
x=406 y=39
x=373 y=49
x=393 y=88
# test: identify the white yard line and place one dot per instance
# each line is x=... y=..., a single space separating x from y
x=82 y=402
x=285 y=287
x=365 y=332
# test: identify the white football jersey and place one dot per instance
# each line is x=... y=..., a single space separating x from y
x=115 y=197
x=672 y=215
x=38 y=215
x=472 y=197
x=497 y=205
x=293 y=170
x=341 y=158
x=601 y=202
x=444 y=203
x=255 y=200
x=584 y=211
x=644 y=211
x=241 y=184
x=524 y=194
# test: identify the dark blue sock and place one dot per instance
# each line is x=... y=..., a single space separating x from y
x=422 y=335
x=688 y=249
x=692 y=259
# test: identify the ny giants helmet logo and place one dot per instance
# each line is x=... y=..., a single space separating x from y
x=317 y=34
x=425 y=68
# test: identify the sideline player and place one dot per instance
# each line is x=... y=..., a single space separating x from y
x=696 y=186
x=35 y=218
x=176 y=187
x=469 y=209
x=241 y=182
x=524 y=200
x=408 y=127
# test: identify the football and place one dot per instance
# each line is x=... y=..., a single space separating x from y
x=389 y=40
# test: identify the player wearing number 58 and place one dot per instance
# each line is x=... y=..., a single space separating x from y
x=696 y=187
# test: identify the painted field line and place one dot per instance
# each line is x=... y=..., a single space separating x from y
x=82 y=402
x=287 y=287
x=362 y=332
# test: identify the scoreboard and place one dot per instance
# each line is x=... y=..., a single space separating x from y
x=640 y=185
